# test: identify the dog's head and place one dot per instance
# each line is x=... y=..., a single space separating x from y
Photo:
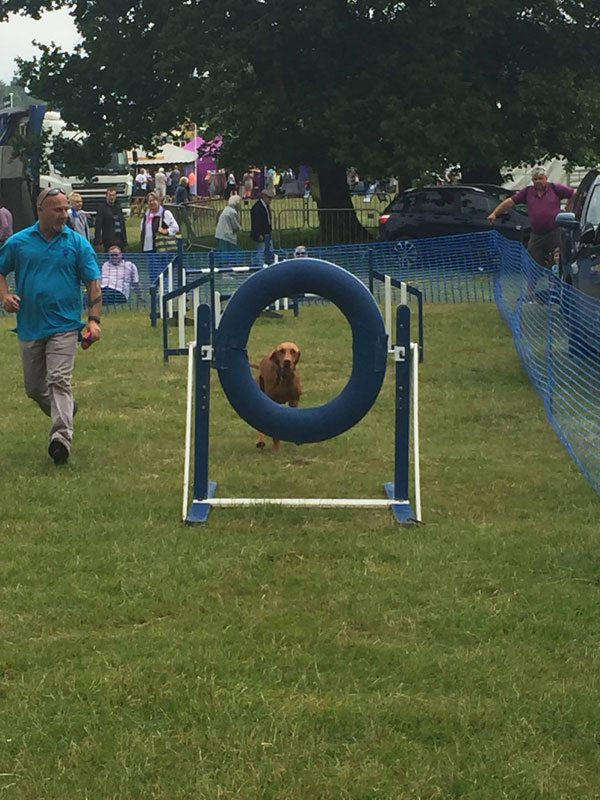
x=286 y=355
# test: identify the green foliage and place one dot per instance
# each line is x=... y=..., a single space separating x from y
x=289 y=654
x=389 y=87
x=31 y=149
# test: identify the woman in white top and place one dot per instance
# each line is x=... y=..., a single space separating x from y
x=229 y=225
x=157 y=220
x=77 y=218
x=141 y=181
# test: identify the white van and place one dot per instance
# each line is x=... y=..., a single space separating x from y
x=115 y=174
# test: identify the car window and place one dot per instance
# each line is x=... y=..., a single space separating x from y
x=593 y=210
x=405 y=203
x=476 y=204
x=582 y=192
x=434 y=201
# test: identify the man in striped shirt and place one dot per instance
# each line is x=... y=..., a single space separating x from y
x=119 y=277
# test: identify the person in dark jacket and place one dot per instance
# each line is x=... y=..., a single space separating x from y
x=182 y=195
x=261 y=226
x=110 y=223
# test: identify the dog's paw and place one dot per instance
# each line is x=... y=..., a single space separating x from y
x=261 y=445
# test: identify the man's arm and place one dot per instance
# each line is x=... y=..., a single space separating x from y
x=501 y=208
x=566 y=193
x=92 y=329
x=98 y=228
x=169 y=223
x=124 y=229
x=9 y=301
x=135 y=280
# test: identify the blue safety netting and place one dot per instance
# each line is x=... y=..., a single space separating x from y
x=556 y=331
x=453 y=269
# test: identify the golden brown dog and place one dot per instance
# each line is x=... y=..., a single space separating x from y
x=279 y=379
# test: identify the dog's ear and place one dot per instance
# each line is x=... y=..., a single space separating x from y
x=298 y=354
x=273 y=357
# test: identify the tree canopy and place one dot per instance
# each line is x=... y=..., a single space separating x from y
x=390 y=87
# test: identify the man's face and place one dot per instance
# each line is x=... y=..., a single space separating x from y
x=111 y=198
x=540 y=181
x=53 y=213
x=114 y=255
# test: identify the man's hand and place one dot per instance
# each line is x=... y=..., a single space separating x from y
x=92 y=331
x=492 y=218
x=11 y=303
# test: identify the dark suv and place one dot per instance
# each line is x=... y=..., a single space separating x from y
x=580 y=240
x=447 y=210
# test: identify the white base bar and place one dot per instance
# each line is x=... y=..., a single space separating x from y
x=322 y=502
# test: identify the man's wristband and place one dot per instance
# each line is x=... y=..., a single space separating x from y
x=94 y=319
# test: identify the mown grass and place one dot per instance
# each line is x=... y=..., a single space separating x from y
x=297 y=653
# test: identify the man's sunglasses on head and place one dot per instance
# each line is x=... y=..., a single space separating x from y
x=51 y=193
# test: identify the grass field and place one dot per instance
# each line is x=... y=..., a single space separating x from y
x=295 y=654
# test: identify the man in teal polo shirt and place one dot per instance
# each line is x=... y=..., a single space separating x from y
x=50 y=262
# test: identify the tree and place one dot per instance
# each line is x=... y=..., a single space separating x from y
x=391 y=87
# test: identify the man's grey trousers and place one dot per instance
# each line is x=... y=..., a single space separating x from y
x=47 y=369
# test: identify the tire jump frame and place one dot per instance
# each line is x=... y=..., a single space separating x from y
x=226 y=347
x=175 y=285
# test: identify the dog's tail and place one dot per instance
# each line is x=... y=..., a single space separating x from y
x=254 y=366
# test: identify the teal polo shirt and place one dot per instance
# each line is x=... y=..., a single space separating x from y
x=48 y=277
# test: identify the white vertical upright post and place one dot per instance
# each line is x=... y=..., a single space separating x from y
x=161 y=292
x=181 y=301
x=217 y=301
x=415 y=416
x=170 y=289
x=403 y=294
x=195 y=304
x=388 y=312
x=188 y=428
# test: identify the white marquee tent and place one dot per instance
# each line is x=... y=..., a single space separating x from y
x=168 y=154
x=555 y=170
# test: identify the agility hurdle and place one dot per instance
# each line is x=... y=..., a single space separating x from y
x=405 y=290
x=227 y=347
x=179 y=296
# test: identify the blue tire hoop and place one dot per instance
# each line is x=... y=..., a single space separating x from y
x=369 y=350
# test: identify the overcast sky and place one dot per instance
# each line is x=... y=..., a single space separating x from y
x=17 y=34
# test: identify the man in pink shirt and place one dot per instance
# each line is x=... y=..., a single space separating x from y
x=6 y=224
x=543 y=200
